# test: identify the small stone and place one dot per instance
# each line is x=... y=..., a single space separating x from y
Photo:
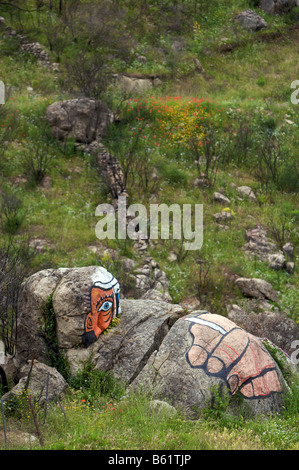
x=172 y=257
x=218 y=197
x=290 y=267
x=246 y=191
x=223 y=216
x=276 y=261
x=288 y=249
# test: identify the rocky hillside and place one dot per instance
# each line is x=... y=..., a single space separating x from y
x=160 y=103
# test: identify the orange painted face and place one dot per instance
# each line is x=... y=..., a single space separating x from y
x=103 y=307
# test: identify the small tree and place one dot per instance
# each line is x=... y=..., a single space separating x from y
x=15 y=261
x=86 y=73
x=270 y=158
x=36 y=159
x=11 y=216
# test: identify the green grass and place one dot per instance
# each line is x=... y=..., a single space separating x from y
x=99 y=414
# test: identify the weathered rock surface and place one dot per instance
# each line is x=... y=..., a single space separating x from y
x=251 y=20
x=42 y=378
x=247 y=192
x=219 y=197
x=136 y=84
x=70 y=291
x=83 y=119
x=223 y=216
x=257 y=288
x=126 y=348
x=34 y=295
x=266 y=323
x=203 y=351
x=277 y=6
x=259 y=245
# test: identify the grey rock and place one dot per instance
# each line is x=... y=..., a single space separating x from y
x=290 y=267
x=251 y=20
x=223 y=216
x=288 y=249
x=257 y=288
x=189 y=385
x=127 y=347
x=218 y=197
x=41 y=375
x=83 y=119
x=277 y=6
x=246 y=191
x=161 y=407
x=259 y=244
x=275 y=326
x=133 y=84
x=33 y=296
x=276 y=261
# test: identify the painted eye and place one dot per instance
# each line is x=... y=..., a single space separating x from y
x=105 y=306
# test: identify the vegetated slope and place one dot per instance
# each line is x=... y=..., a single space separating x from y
x=246 y=77
x=250 y=85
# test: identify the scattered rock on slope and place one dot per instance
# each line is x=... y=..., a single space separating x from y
x=277 y=6
x=43 y=379
x=257 y=288
x=251 y=20
x=266 y=323
x=258 y=244
x=246 y=191
x=83 y=119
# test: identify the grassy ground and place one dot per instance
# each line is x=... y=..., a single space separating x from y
x=87 y=419
x=249 y=77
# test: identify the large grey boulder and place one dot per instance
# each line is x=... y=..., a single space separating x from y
x=34 y=295
x=65 y=299
x=44 y=383
x=277 y=6
x=83 y=119
x=251 y=20
x=203 y=352
x=143 y=326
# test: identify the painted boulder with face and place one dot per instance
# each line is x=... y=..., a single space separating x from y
x=84 y=301
x=103 y=305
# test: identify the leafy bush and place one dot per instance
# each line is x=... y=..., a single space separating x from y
x=11 y=212
x=15 y=259
x=95 y=384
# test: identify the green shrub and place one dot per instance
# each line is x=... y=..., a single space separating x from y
x=94 y=384
x=48 y=332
